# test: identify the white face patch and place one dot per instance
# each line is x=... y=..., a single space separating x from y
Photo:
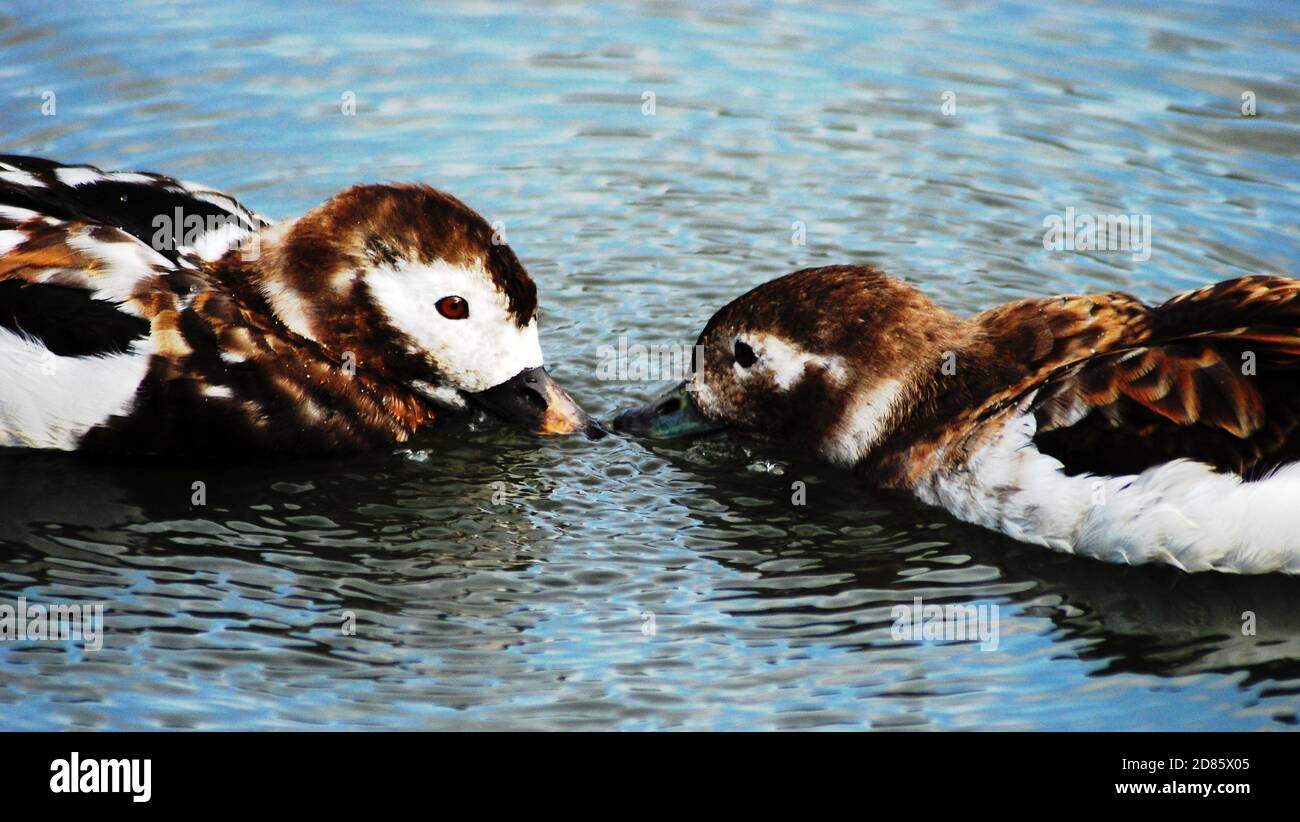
x=863 y=423
x=783 y=361
x=474 y=354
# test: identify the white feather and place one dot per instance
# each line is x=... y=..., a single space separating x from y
x=22 y=215
x=21 y=178
x=131 y=177
x=124 y=265
x=74 y=176
x=11 y=239
x=862 y=424
x=47 y=401
x=211 y=246
x=1181 y=513
x=289 y=306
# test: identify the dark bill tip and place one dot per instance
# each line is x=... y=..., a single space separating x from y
x=671 y=414
x=533 y=399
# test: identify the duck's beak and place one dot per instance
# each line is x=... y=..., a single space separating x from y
x=671 y=414
x=533 y=399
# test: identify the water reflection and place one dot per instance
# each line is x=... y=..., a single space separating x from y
x=878 y=548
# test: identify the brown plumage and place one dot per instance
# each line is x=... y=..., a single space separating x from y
x=1092 y=424
x=1213 y=375
x=1119 y=386
x=257 y=338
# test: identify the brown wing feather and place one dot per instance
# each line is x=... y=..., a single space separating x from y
x=1217 y=379
x=1048 y=332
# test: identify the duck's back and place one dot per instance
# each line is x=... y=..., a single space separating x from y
x=119 y=333
x=131 y=322
x=155 y=209
x=1176 y=439
x=79 y=291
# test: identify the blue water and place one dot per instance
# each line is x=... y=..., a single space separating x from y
x=529 y=613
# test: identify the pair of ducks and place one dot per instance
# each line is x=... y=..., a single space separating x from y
x=142 y=314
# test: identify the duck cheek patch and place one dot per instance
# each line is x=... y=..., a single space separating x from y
x=812 y=407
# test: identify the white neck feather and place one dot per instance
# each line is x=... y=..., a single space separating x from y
x=863 y=424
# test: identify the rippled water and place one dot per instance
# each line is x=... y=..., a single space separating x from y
x=535 y=612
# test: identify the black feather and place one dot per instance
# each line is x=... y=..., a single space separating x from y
x=67 y=321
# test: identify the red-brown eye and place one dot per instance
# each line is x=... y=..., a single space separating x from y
x=453 y=308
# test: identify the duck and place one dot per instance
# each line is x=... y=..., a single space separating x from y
x=1094 y=425
x=144 y=315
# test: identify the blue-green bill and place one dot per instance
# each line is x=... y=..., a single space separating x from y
x=671 y=414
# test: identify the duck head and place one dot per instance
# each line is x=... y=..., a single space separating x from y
x=410 y=285
x=826 y=357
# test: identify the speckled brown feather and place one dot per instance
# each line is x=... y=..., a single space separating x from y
x=287 y=395
x=1117 y=387
x=228 y=378
x=993 y=355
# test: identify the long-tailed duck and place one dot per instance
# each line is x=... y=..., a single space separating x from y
x=143 y=314
x=1093 y=425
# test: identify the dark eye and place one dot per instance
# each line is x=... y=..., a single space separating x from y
x=745 y=356
x=453 y=308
